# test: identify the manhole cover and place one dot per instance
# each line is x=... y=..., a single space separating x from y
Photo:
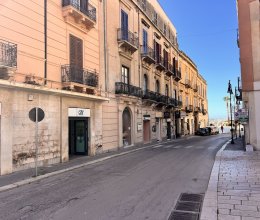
x=188 y=206
x=183 y=216
x=191 y=197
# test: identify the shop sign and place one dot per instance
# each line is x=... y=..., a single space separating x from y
x=139 y=127
x=241 y=115
x=167 y=115
x=79 y=112
x=158 y=114
x=147 y=117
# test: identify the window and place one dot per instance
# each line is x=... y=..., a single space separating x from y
x=165 y=58
x=145 y=41
x=157 y=51
x=155 y=18
x=124 y=25
x=125 y=75
x=166 y=90
x=164 y=29
x=76 y=52
x=187 y=101
x=145 y=84
x=157 y=86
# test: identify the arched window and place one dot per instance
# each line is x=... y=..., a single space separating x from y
x=157 y=86
x=145 y=83
x=166 y=90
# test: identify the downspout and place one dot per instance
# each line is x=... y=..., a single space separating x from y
x=45 y=42
x=105 y=44
x=139 y=65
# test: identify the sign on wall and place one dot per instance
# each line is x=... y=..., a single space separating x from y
x=139 y=127
x=147 y=117
x=79 y=112
x=241 y=115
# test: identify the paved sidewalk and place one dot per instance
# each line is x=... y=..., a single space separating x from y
x=234 y=187
x=19 y=178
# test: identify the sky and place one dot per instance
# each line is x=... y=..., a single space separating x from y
x=207 y=33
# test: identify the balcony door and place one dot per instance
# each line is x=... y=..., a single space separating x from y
x=157 y=51
x=125 y=79
x=124 y=25
x=76 y=59
x=145 y=41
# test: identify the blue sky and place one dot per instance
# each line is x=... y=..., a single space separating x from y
x=207 y=33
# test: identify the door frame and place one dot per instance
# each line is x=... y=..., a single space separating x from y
x=86 y=134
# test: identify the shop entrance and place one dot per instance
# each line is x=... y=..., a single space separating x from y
x=127 y=127
x=146 y=130
x=78 y=136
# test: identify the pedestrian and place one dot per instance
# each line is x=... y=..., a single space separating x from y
x=222 y=128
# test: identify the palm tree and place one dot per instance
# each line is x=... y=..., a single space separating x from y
x=227 y=99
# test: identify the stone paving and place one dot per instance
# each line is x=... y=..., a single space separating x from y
x=234 y=188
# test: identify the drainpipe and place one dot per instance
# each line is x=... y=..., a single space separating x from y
x=139 y=67
x=105 y=44
x=45 y=42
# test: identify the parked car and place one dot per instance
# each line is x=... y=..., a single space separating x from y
x=202 y=132
x=213 y=130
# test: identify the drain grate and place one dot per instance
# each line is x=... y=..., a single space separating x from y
x=187 y=197
x=183 y=216
x=188 y=206
x=191 y=197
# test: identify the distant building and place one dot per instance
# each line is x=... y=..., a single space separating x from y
x=108 y=74
x=248 y=42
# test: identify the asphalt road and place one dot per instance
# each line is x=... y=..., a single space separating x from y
x=144 y=185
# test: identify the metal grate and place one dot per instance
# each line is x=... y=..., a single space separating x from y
x=191 y=197
x=188 y=206
x=183 y=216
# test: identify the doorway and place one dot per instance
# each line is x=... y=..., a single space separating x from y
x=78 y=136
x=127 y=127
x=146 y=130
x=169 y=130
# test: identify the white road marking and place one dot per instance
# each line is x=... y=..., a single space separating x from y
x=188 y=147
x=177 y=147
x=169 y=146
x=157 y=146
x=201 y=147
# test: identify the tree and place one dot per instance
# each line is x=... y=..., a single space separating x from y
x=227 y=100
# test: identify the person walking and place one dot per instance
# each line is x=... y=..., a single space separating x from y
x=222 y=128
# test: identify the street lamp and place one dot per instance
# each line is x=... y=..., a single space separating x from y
x=230 y=93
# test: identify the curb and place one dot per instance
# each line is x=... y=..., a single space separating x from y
x=34 y=179
x=210 y=202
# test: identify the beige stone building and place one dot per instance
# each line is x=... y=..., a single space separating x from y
x=107 y=74
x=248 y=42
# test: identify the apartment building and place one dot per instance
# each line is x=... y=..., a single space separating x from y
x=149 y=97
x=107 y=74
x=50 y=58
x=248 y=42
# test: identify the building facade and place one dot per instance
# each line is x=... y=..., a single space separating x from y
x=248 y=42
x=103 y=80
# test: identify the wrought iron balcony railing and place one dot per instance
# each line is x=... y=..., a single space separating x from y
x=195 y=88
x=168 y=68
x=123 y=88
x=127 y=36
x=8 y=54
x=189 y=108
x=172 y=102
x=73 y=74
x=177 y=75
x=159 y=62
x=197 y=109
x=204 y=111
x=88 y=9
x=147 y=54
x=187 y=83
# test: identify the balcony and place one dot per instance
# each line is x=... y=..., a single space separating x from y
x=155 y=97
x=204 y=111
x=172 y=102
x=187 y=83
x=177 y=75
x=78 y=79
x=126 y=89
x=127 y=40
x=76 y=13
x=189 y=108
x=197 y=110
x=195 y=88
x=147 y=54
x=159 y=62
x=168 y=68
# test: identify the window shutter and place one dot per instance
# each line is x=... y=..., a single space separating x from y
x=76 y=52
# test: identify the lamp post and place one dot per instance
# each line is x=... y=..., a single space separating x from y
x=230 y=93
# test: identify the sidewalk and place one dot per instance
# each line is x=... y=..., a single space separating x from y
x=23 y=177
x=234 y=188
